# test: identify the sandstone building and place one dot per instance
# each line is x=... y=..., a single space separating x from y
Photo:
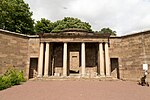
x=76 y=53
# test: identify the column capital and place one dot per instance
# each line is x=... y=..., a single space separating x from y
x=106 y=42
x=42 y=42
x=47 y=42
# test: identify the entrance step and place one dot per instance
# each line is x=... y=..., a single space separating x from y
x=77 y=77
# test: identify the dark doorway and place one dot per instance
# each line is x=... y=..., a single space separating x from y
x=73 y=58
x=115 y=68
x=33 y=67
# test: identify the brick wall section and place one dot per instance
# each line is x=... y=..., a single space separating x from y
x=115 y=51
x=13 y=51
x=115 y=47
x=130 y=52
x=132 y=57
x=147 y=47
x=147 y=51
x=34 y=47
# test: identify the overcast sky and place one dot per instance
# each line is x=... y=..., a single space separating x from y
x=123 y=16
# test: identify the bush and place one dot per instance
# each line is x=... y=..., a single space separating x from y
x=10 y=78
x=5 y=82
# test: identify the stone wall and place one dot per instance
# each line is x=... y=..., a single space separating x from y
x=115 y=47
x=128 y=54
x=132 y=52
x=135 y=52
x=34 y=44
x=147 y=51
x=14 y=51
x=115 y=51
x=132 y=57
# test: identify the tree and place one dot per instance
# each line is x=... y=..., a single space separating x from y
x=107 y=30
x=44 y=26
x=47 y=26
x=70 y=22
x=15 y=16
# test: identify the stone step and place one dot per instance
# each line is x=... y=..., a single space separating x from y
x=76 y=77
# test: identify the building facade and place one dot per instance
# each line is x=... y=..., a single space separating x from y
x=76 y=53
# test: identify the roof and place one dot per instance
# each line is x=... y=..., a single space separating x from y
x=138 y=33
x=73 y=32
x=17 y=34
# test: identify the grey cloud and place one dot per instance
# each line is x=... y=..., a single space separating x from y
x=123 y=16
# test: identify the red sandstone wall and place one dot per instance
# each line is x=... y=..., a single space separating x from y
x=130 y=53
x=13 y=51
x=34 y=47
x=132 y=56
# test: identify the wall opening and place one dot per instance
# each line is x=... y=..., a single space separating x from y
x=33 y=67
x=115 y=68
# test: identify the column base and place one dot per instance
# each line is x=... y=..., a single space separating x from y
x=65 y=75
x=39 y=75
x=102 y=76
x=45 y=76
x=108 y=75
x=83 y=75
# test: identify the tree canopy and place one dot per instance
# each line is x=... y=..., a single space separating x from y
x=107 y=30
x=15 y=16
x=45 y=25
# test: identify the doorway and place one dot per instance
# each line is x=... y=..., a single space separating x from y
x=74 y=62
x=115 y=68
x=33 y=67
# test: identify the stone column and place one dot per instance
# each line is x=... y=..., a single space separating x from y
x=101 y=54
x=107 y=60
x=83 y=59
x=40 y=60
x=65 y=60
x=46 y=60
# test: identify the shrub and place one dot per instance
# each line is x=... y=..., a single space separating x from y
x=10 y=78
x=6 y=82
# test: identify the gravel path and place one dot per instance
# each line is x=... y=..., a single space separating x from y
x=76 y=90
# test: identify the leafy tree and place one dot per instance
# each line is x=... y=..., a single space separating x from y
x=15 y=16
x=107 y=30
x=47 y=26
x=44 y=26
x=70 y=22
